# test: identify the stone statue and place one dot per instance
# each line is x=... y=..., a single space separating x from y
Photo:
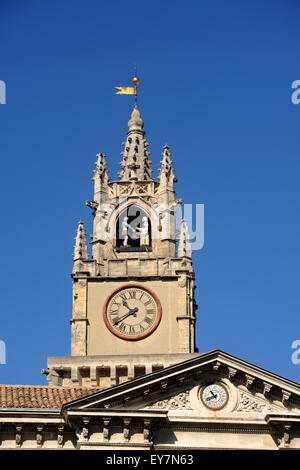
x=144 y=229
x=125 y=231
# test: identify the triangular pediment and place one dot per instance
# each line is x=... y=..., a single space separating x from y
x=179 y=389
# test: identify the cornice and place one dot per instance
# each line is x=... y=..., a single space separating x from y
x=213 y=362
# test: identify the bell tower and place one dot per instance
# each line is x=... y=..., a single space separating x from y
x=133 y=297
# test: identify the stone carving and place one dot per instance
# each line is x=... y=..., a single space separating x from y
x=147 y=435
x=39 y=435
x=126 y=429
x=18 y=434
x=182 y=280
x=60 y=436
x=178 y=402
x=85 y=429
x=249 y=403
x=106 y=422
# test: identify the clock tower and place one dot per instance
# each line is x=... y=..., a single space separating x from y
x=133 y=297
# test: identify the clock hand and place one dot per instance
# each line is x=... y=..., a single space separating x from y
x=126 y=304
x=213 y=396
x=131 y=312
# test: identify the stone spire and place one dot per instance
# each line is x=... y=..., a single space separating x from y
x=101 y=170
x=184 y=245
x=80 y=247
x=166 y=171
x=135 y=164
x=100 y=178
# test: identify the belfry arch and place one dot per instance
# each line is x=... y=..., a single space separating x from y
x=133 y=229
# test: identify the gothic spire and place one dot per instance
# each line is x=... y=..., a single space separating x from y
x=184 y=245
x=101 y=171
x=166 y=171
x=80 y=247
x=135 y=164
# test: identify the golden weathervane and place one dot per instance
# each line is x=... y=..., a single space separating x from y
x=129 y=90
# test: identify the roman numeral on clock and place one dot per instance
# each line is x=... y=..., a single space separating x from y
x=122 y=327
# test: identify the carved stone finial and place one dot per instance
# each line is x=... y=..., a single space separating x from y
x=80 y=247
x=101 y=171
x=166 y=172
x=135 y=121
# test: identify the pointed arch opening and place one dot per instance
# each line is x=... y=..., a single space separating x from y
x=133 y=230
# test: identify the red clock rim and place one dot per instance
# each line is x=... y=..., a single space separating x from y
x=141 y=335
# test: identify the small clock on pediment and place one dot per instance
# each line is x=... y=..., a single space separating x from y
x=132 y=312
x=214 y=396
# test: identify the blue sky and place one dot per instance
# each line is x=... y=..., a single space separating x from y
x=216 y=86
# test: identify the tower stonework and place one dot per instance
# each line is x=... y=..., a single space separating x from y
x=133 y=299
x=134 y=379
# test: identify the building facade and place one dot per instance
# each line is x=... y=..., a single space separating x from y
x=135 y=379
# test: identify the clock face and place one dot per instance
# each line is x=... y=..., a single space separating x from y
x=132 y=312
x=214 y=396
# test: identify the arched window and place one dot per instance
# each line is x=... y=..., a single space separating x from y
x=133 y=230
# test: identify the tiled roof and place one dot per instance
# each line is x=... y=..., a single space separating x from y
x=39 y=396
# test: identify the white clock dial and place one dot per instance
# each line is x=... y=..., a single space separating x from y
x=132 y=312
x=214 y=396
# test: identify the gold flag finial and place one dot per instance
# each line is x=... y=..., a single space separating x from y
x=129 y=90
x=124 y=90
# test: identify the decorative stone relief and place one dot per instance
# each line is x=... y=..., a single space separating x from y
x=182 y=280
x=19 y=434
x=178 y=402
x=249 y=403
x=60 y=435
x=39 y=435
x=85 y=429
x=147 y=435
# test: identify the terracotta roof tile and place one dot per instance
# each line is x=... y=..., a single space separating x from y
x=39 y=396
